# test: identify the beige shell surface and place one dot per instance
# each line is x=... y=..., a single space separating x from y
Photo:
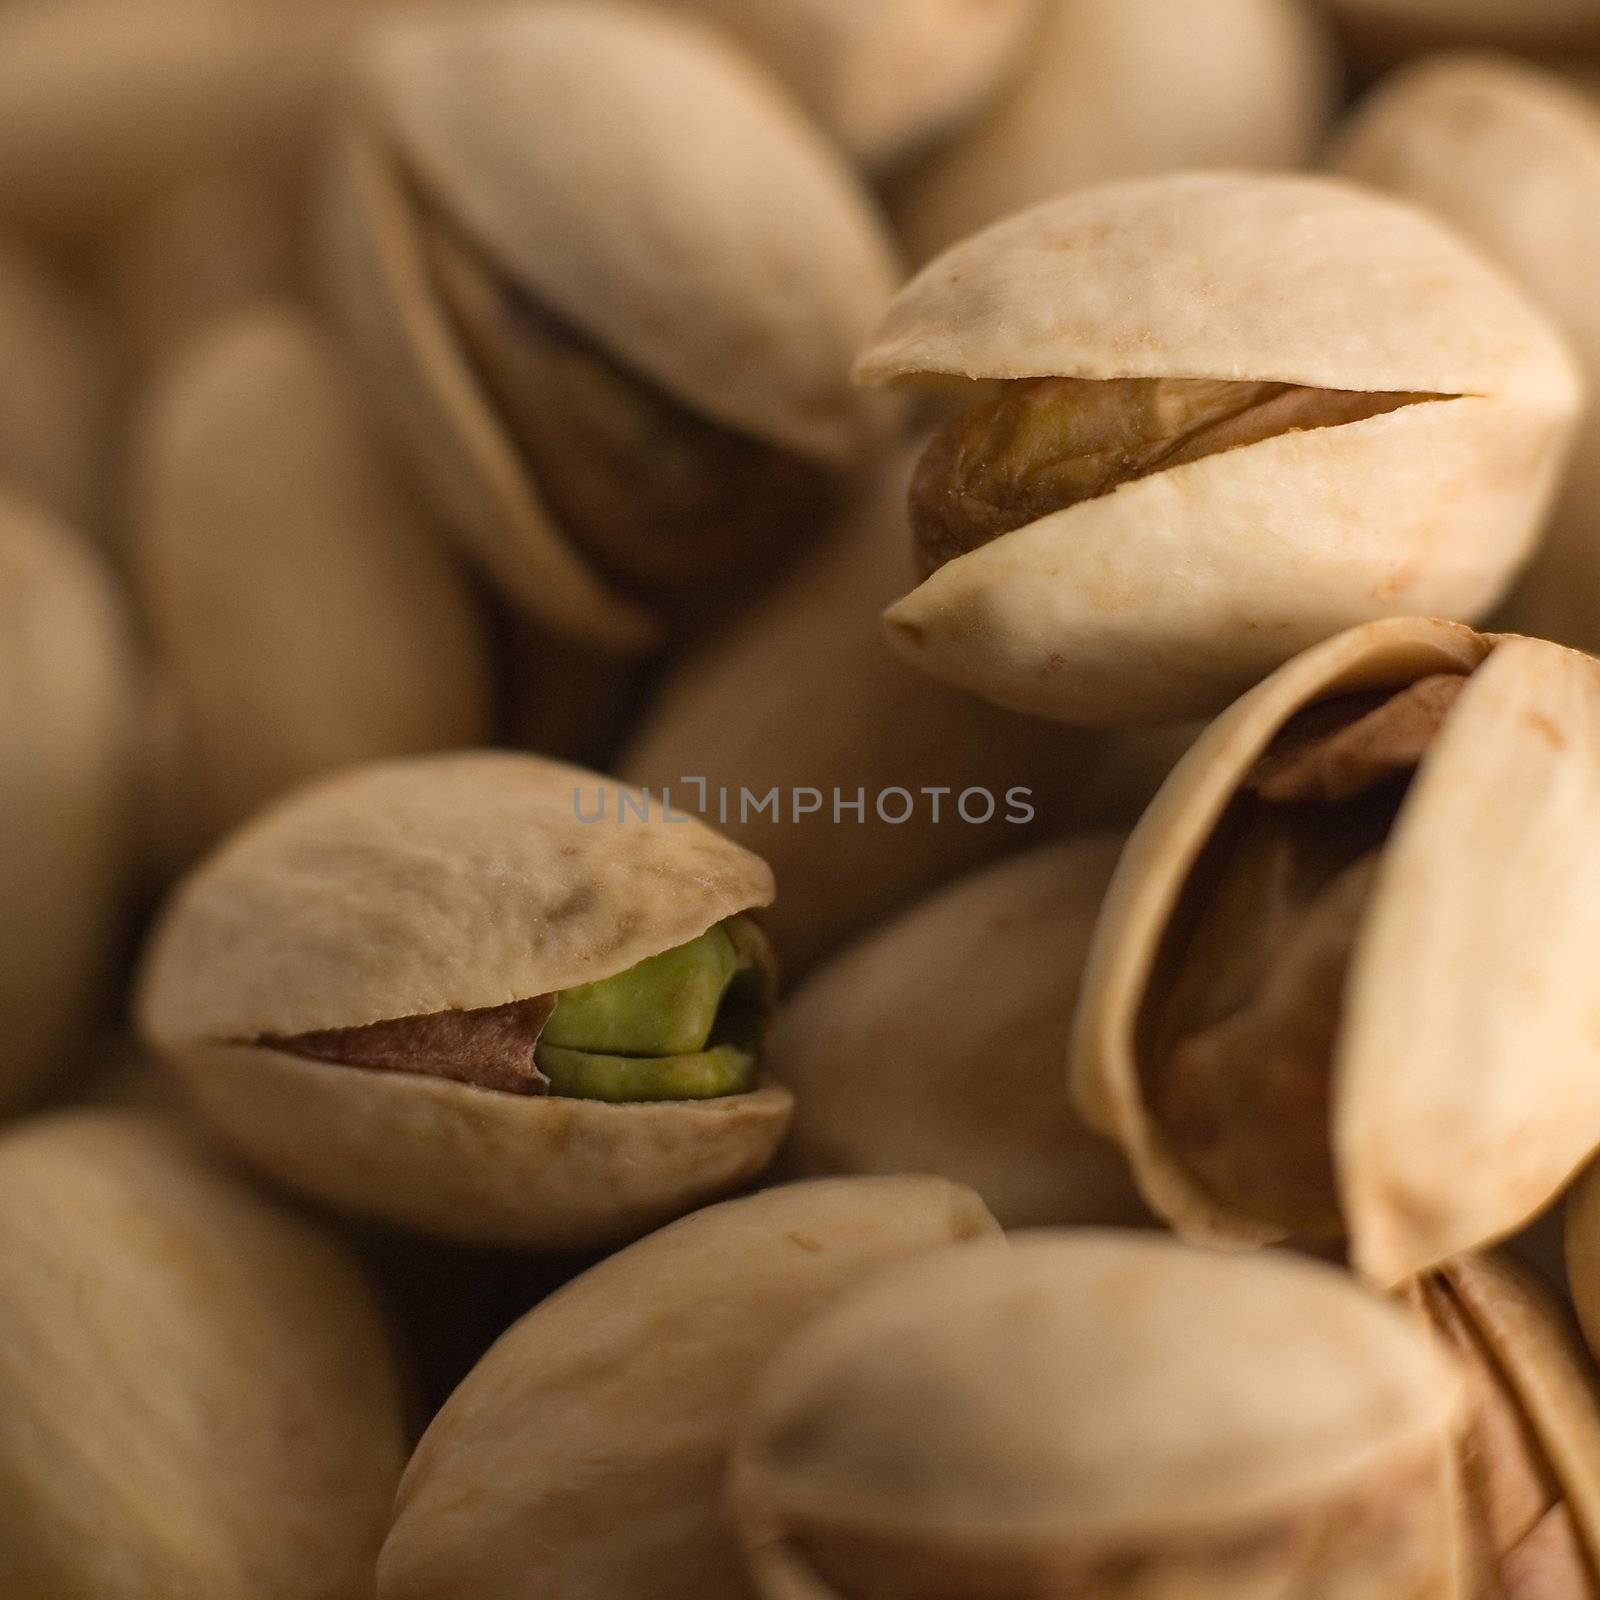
x=639 y=176
x=1089 y=1390
x=585 y=1454
x=1118 y=91
x=200 y=1395
x=1465 y=1011
x=935 y=1045
x=298 y=601
x=68 y=690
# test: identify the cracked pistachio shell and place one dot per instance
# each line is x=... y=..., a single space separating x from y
x=1510 y=155
x=585 y=1454
x=639 y=177
x=303 y=611
x=1181 y=589
x=1468 y=1010
x=1380 y=28
x=885 y=78
x=68 y=691
x=1118 y=91
x=935 y=1045
x=200 y=1397
x=1101 y=1413
x=440 y=884
x=739 y=715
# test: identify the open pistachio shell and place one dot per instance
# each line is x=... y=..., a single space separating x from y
x=199 y=1392
x=935 y=1045
x=1510 y=155
x=628 y=185
x=302 y=609
x=1101 y=1413
x=68 y=689
x=887 y=78
x=585 y=1454
x=1529 y=1473
x=1447 y=1082
x=747 y=716
x=1380 y=28
x=1117 y=91
x=1163 y=595
x=407 y=894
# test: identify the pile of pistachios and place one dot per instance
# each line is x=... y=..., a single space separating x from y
x=799 y=800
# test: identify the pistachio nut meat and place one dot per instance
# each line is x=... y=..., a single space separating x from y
x=269 y=531
x=1099 y=1413
x=69 y=688
x=1341 y=987
x=1113 y=91
x=199 y=1391
x=1528 y=1474
x=934 y=1044
x=428 y=991
x=608 y=282
x=1214 y=418
x=1510 y=155
x=585 y=1454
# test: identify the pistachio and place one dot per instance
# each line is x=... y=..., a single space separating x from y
x=614 y=325
x=355 y=987
x=1341 y=955
x=585 y=1454
x=935 y=1045
x=68 y=691
x=1257 y=448
x=200 y=1395
x=1116 y=91
x=1101 y=1413
x=1510 y=156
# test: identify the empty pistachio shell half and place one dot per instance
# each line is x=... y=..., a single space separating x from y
x=609 y=282
x=1510 y=155
x=1116 y=91
x=359 y=986
x=68 y=691
x=1189 y=455
x=199 y=1392
x=303 y=610
x=1528 y=1477
x=935 y=1045
x=586 y=1453
x=1347 y=951
x=1100 y=1413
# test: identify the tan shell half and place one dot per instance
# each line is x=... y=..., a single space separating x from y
x=935 y=1045
x=302 y=608
x=1118 y=91
x=1179 y=590
x=1100 y=1412
x=585 y=1454
x=199 y=1392
x=448 y=883
x=68 y=692
x=1465 y=1079
x=637 y=175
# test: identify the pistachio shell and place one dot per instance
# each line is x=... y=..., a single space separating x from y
x=1511 y=156
x=1178 y=590
x=1118 y=91
x=1469 y=1005
x=882 y=78
x=303 y=610
x=443 y=884
x=67 y=696
x=199 y=1393
x=585 y=1453
x=745 y=714
x=935 y=1045
x=1176 y=1422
